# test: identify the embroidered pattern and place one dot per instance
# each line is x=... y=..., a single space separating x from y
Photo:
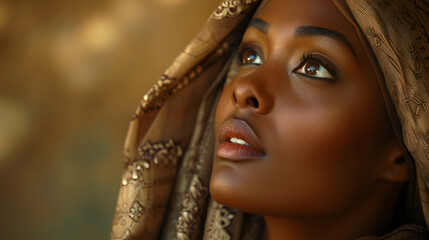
x=420 y=105
x=166 y=85
x=217 y=222
x=163 y=154
x=136 y=211
x=231 y=8
x=188 y=224
x=142 y=203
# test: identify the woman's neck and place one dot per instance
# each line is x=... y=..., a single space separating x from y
x=278 y=228
x=369 y=217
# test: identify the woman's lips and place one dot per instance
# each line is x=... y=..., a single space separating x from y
x=238 y=141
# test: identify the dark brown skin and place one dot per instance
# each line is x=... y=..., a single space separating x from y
x=329 y=168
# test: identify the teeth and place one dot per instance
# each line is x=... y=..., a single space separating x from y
x=238 y=141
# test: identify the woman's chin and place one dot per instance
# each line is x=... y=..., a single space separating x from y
x=223 y=187
x=226 y=189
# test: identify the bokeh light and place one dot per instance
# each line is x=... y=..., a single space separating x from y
x=72 y=73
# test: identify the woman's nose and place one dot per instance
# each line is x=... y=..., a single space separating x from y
x=253 y=95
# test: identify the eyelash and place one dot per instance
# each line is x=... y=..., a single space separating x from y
x=308 y=56
x=238 y=50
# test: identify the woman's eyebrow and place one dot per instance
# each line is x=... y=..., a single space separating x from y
x=260 y=24
x=305 y=31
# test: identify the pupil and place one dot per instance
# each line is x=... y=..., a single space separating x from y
x=312 y=68
x=249 y=57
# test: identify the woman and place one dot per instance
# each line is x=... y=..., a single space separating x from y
x=319 y=131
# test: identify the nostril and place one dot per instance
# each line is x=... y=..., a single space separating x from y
x=253 y=102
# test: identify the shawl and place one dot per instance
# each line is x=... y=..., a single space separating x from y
x=169 y=146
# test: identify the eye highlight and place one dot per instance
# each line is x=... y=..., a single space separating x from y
x=248 y=56
x=316 y=66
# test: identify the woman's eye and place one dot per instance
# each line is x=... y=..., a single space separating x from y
x=314 y=69
x=250 y=56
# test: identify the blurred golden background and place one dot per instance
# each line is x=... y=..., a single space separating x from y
x=72 y=73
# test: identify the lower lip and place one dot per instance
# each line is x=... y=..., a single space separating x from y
x=236 y=152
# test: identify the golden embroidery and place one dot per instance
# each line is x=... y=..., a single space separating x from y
x=127 y=235
x=140 y=203
x=136 y=211
x=188 y=224
x=217 y=222
x=231 y=8
x=167 y=85
x=163 y=154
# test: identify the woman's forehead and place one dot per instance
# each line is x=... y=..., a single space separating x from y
x=285 y=16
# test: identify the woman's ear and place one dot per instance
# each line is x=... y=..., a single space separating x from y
x=394 y=167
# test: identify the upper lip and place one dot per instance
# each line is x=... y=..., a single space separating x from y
x=238 y=128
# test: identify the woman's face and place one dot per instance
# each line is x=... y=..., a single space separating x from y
x=307 y=99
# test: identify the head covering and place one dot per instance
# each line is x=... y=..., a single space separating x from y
x=170 y=142
x=397 y=32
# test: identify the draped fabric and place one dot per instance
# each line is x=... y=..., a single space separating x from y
x=397 y=32
x=169 y=147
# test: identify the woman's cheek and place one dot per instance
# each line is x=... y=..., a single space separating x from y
x=316 y=158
